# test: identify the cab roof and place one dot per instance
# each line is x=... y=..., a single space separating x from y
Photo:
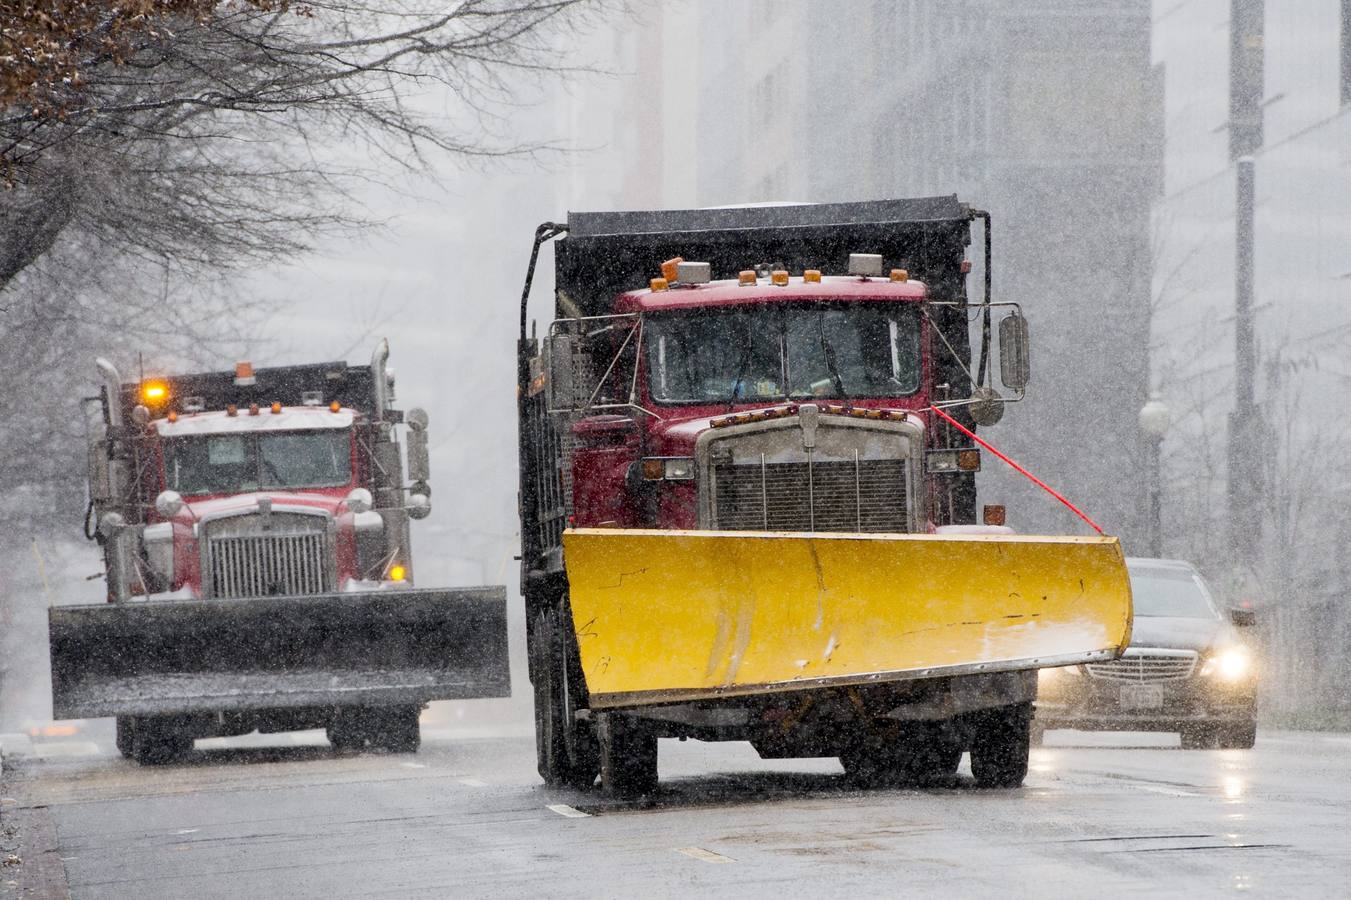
x=730 y=293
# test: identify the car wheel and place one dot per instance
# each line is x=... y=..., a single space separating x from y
x=1238 y=737
x=999 y=746
x=628 y=756
x=1198 y=737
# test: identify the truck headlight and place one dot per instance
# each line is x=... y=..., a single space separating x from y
x=1229 y=664
x=670 y=468
x=359 y=500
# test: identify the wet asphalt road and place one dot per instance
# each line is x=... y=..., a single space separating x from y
x=469 y=818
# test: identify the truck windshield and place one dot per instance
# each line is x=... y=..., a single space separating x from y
x=765 y=353
x=234 y=463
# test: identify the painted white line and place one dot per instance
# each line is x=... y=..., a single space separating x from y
x=187 y=831
x=1167 y=792
x=413 y=765
x=66 y=748
x=707 y=856
x=473 y=782
x=566 y=811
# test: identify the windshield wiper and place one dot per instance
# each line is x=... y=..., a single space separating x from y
x=829 y=351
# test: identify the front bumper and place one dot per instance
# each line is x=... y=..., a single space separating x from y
x=1083 y=702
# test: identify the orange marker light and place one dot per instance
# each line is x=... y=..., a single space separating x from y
x=335 y=406
x=232 y=410
x=669 y=268
x=154 y=392
x=811 y=276
x=173 y=416
x=746 y=276
x=657 y=285
x=253 y=409
x=900 y=275
x=779 y=277
x=276 y=408
x=397 y=573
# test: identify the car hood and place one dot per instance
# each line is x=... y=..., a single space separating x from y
x=1180 y=634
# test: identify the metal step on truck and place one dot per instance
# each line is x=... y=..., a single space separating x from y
x=748 y=499
x=255 y=527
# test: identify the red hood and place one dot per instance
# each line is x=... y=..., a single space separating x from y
x=197 y=508
x=677 y=436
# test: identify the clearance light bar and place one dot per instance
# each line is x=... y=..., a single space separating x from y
x=939 y=462
x=834 y=409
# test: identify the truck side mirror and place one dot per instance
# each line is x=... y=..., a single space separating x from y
x=1242 y=618
x=1015 y=363
x=565 y=365
x=419 y=463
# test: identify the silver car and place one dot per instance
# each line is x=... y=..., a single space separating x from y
x=1188 y=668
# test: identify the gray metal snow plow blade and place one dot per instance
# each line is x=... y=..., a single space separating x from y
x=359 y=649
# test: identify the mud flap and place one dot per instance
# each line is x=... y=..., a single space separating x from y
x=664 y=616
x=358 y=649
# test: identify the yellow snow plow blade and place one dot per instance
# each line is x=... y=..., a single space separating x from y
x=666 y=616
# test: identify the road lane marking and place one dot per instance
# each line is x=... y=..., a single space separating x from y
x=1167 y=792
x=472 y=782
x=566 y=811
x=409 y=765
x=187 y=831
x=707 y=856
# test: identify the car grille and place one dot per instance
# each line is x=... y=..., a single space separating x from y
x=282 y=561
x=862 y=495
x=1146 y=665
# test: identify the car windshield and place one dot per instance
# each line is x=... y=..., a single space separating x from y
x=1170 y=592
x=233 y=463
x=767 y=353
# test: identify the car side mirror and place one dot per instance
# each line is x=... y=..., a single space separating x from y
x=1015 y=348
x=1242 y=618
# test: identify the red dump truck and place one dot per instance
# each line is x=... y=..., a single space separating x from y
x=748 y=502
x=256 y=530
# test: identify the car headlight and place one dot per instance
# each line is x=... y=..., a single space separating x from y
x=1229 y=664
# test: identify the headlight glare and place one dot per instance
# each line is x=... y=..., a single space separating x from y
x=1229 y=664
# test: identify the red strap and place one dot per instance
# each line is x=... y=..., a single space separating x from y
x=1034 y=479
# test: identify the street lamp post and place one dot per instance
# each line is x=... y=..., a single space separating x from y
x=1155 y=417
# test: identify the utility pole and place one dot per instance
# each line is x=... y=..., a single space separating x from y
x=1245 y=490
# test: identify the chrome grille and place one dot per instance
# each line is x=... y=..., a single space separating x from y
x=857 y=495
x=1146 y=665
x=285 y=559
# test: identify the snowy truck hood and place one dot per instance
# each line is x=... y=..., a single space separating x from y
x=282 y=501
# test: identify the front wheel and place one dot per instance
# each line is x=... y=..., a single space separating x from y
x=126 y=729
x=392 y=728
x=1238 y=737
x=158 y=743
x=1000 y=745
x=565 y=746
x=628 y=756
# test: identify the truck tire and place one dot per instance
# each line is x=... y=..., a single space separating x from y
x=628 y=756
x=1000 y=745
x=566 y=751
x=392 y=728
x=1238 y=737
x=156 y=743
x=125 y=731
x=920 y=754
